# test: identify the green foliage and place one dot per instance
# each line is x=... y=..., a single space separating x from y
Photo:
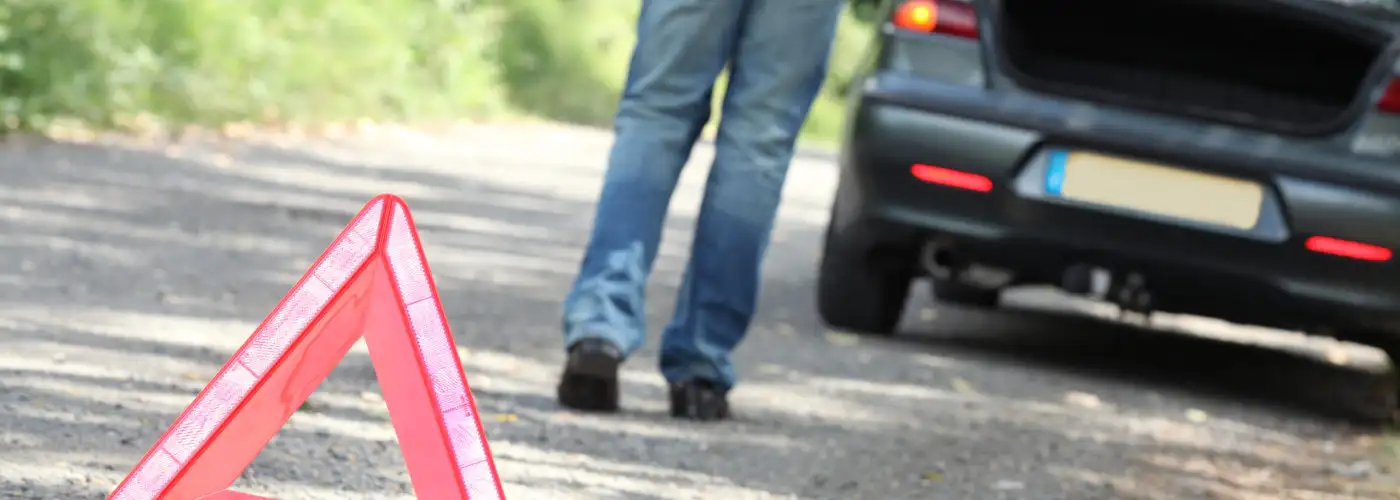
x=566 y=59
x=105 y=61
x=828 y=113
x=866 y=10
x=112 y=62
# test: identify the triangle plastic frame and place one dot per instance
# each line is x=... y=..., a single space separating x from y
x=372 y=282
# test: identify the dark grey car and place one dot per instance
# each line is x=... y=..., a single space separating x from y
x=1230 y=158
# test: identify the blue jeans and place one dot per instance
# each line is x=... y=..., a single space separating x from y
x=777 y=54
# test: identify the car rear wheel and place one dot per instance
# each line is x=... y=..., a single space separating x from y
x=1377 y=402
x=1386 y=406
x=854 y=295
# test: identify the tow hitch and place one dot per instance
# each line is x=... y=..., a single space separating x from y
x=1128 y=291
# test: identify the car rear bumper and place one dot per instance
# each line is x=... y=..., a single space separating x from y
x=1263 y=277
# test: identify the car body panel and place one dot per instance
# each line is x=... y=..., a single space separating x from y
x=948 y=102
x=1223 y=148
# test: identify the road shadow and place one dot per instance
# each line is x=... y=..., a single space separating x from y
x=133 y=270
x=1253 y=366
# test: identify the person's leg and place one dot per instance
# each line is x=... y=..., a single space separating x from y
x=682 y=45
x=778 y=67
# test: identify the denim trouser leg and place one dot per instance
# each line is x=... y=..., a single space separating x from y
x=682 y=45
x=779 y=63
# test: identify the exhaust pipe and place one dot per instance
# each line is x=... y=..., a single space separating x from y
x=942 y=262
x=938 y=260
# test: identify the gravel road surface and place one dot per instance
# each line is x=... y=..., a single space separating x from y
x=130 y=270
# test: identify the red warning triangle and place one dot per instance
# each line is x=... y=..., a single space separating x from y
x=373 y=282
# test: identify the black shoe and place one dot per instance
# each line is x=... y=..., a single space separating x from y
x=589 y=381
x=698 y=400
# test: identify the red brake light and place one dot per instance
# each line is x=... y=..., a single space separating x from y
x=1390 y=99
x=949 y=17
x=951 y=178
x=1349 y=249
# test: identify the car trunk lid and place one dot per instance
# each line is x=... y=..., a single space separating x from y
x=1287 y=66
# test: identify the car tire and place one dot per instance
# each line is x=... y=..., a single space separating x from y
x=1378 y=402
x=1387 y=405
x=954 y=292
x=853 y=295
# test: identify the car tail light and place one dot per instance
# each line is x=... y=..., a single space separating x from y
x=951 y=178
x=1349 y=249
x=948 y=17
x=1390 y=99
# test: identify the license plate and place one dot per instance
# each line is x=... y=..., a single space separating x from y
x=1154 y=189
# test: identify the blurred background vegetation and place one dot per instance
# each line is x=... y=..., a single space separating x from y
x=113 y=63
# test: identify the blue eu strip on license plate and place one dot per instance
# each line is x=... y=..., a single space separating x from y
x=1055 y=173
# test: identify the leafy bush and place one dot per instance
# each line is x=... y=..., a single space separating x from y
x=116 y=62
x=566 y=60
x=105 y=61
